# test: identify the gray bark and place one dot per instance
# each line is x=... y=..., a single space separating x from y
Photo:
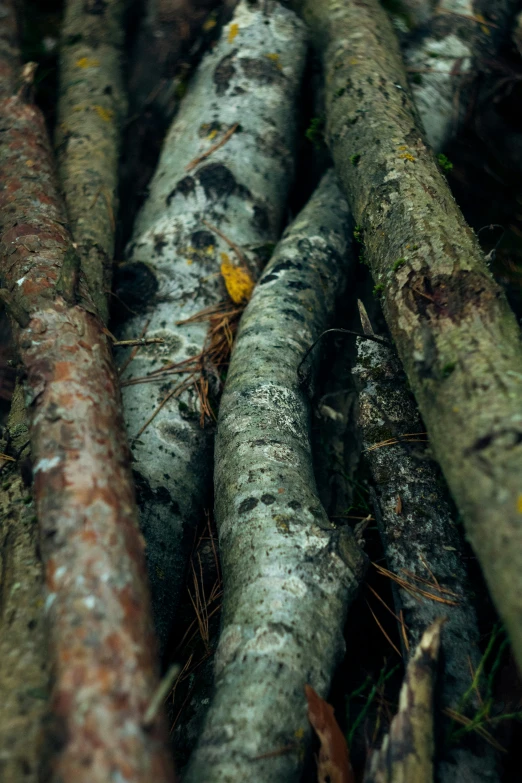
x=455 y=334
x=420 y=536
x=289 y=574
x=446 y=57
x=251 y=77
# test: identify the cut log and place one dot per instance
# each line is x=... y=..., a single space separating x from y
x=455 y=334
x=219 y=192
x=289 y=574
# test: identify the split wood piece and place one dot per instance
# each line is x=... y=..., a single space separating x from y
x=24 y=658
x=102 y=646
x=407 y=751
x=455 y=334
x=91 y=110
x=183 y=234
x=447 y=56
x=289 y=574
x=421 y=540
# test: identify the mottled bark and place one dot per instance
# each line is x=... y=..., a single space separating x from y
x=406 y=754
x=288 y=572
x=449 y=55
x=455 y=334
x=249 y=83
x=91 y=109
x=104 y=671
x=24 y=660
x=421 y=539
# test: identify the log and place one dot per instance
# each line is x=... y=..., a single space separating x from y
x=91 y=110
x=455 y=334
x=219 y=192
x=102 y=648
x=289 y=574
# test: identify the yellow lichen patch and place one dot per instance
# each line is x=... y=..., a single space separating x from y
x=238 y=282
x=483 y=24
x=403 y=147
x=519 y=504
x=212 y=134
x=104 y=114
x=299 y=733
x=407 y=156
x=87 y=62
x=29 y=163
x=275 y=59
x=353 y=61
x=234 y=29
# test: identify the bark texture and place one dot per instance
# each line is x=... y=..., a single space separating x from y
x=455 y=334
x=407 y=751
x=448 y=55
x=97 y=602
x=252 y=78
x=91 y=109
x=288 y=572
x=24 y=659
x=421 y=539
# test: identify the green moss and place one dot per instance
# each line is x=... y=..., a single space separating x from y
x=340 y=92
x=416 y=78
x=357 y=234
x=354 y=159
x=444 y=163
x=315 y=132
x=397 y=264
x=448 y=369
x=378 y=289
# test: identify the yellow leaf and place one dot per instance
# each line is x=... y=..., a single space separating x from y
x=87 y=62
x=105 y=114
x=519 y=504
x=234 y=29
x=238 y=282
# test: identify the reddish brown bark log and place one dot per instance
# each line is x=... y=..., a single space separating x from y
x=98 y=604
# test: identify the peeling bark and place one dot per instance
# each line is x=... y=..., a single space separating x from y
x=252 y=78
x=420 y=537
x=406 y=754
x=289 y=574
x=455 y=334
x=449 y=55
x=91 y=110
x=100 y=633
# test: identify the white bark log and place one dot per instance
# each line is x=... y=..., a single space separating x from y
x=289 y=574
x=448 y=54
x=251 y=77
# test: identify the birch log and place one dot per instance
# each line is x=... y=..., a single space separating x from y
x=288 y=572
x=237 y=195
x=455 y=334
x=101 y=635
x=91 y=110
x=421 y=539
x=447 y=56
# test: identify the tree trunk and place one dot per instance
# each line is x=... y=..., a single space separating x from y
x=101 y=636
x=289 y=574
x=203 y=199
x=455 y=334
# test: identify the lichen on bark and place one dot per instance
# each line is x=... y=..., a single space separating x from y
x=455 y=334
x=289 y=573
x=249 y=83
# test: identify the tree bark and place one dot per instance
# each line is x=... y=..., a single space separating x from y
x=91 y=110
x=449 y=55
x=421 y=540
x=455 y=334
x=203 y=198
x=289 y=574
x=97 y=603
